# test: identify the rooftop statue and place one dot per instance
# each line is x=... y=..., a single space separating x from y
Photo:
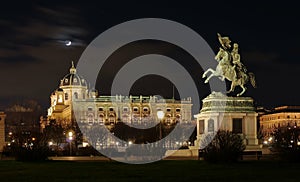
x=230 y=67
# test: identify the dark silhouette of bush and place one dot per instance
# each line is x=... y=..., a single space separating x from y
x=38 y=153
x=224 y=147
x=285 y=143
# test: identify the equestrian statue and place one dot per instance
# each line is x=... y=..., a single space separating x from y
x=230 y=67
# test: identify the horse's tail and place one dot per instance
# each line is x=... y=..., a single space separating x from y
x=252 y=79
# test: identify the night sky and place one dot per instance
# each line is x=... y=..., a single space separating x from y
x=34 y=57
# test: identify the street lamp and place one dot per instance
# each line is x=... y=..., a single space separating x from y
x=160 y=116
x=70 y=136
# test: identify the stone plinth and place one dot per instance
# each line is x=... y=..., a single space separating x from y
x=236 y=114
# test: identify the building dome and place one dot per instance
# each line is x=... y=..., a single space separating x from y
x=73 y=79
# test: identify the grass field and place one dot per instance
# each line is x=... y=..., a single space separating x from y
x=159 y=171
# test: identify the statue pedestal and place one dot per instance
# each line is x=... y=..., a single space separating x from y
x=236 y=114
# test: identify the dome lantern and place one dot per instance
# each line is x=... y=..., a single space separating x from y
x=73 y=69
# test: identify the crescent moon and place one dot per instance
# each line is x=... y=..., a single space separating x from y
x=68 y=43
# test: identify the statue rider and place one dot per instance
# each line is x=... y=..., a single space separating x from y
x=236 y=61
x=235 y=56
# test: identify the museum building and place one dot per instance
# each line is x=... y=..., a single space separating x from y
x=95 y=109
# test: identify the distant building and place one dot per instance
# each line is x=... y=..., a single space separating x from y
x=93 y=109
x=2 y=130
x=21 y=125
x=284 y=116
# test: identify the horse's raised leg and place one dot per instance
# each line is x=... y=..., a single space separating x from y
x=205 y=73
x=243 y=91
x=208 y=78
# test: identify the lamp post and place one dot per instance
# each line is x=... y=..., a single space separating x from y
x=70 y=135
x=160 y=116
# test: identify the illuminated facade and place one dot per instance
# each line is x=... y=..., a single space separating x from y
x=284 y=116
x=92 y=109
x=2 y=130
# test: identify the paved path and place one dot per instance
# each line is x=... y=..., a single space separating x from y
x=101 y=158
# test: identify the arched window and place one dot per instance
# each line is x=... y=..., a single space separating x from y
x=76 y=95
x=111 y=119
x=125 y=109
x=145 y=109
x=178 y=118
x=135 y=109
x=168 y=119
x=101 y=119
x=90 y=118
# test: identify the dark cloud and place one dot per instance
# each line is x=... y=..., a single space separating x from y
x=33 y=55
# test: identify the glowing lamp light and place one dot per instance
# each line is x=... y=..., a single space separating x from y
x=160 y=114
x=70 y=134
x=270 y=139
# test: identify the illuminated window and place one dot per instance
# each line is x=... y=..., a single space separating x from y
x=60 y=98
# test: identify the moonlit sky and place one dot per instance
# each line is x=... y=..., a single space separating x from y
x=34 y=56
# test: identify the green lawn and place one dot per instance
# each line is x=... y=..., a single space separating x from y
x=158 y=171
